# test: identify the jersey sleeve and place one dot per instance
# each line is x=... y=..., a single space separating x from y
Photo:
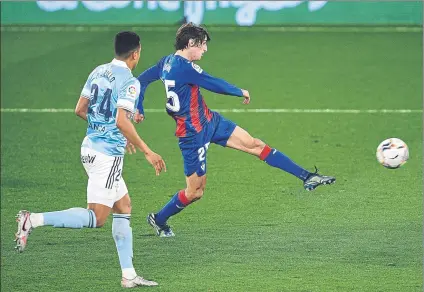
x=145 y=78
x=128 y=94
x=193 y=74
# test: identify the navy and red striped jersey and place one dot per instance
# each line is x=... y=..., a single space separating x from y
x=184 y=102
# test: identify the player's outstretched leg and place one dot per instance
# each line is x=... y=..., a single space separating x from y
x=71 y=218
x=122 y=235
x=241 y=140
x=311 y=180
x=193 y=192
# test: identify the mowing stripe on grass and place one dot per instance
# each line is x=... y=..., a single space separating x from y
x=257 y=110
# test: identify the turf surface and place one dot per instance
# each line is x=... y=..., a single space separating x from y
x=256 y=229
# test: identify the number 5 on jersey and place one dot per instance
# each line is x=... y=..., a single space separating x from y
x=172 y=102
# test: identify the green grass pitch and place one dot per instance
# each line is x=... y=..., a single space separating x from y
x=255 y=229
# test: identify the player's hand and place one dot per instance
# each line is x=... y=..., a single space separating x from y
x=246 y=96
x=138 y=117
x=156 y=161
x=130 y=148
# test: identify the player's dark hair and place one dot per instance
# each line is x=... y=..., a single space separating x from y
x=125 y=43
x=190 y=31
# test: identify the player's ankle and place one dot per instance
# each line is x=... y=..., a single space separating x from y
x=129 y=273
x=37 y=219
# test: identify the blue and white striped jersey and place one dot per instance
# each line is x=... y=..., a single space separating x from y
x=109 y=86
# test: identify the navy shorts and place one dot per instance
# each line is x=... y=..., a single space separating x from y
x=194 y=148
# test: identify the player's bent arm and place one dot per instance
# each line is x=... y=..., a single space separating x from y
x=123 y=122
x=82 y=107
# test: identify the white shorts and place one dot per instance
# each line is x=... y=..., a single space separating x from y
x=105 y=182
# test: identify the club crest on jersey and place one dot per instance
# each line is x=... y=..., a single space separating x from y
x=167 y=67
x=197 y=68
x=132 y=91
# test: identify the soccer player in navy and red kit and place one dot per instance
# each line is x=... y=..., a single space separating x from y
x=197 y=126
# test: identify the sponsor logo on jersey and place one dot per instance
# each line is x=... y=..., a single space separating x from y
x=97 y=127
x=87 y=158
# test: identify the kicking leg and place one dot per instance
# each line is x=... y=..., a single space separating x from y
x=193 y=192
x=243 y=141
x=122 y=234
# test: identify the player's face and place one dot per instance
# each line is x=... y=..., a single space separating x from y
x=136 y=57
x=199 y=50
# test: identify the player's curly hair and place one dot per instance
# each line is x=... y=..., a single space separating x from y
x=190 y=31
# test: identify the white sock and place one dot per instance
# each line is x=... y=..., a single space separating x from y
x=129 y=273
x=37 y=219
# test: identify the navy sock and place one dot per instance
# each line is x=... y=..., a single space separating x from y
x=277 y=159
x=178 y=202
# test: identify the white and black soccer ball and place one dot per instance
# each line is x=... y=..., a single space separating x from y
x=392 y=153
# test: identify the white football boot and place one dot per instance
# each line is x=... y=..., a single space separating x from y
x=136 y=282
x=24 y=229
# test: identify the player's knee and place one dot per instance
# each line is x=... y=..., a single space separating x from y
x=255 y=144
x=126 y=208
x=199 y=193
x=201 y=189
x=258 y=146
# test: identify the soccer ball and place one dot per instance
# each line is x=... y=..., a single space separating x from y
x=392 y=153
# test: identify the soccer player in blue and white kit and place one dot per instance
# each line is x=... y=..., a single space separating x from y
x=197 y=126
x=107 y=103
